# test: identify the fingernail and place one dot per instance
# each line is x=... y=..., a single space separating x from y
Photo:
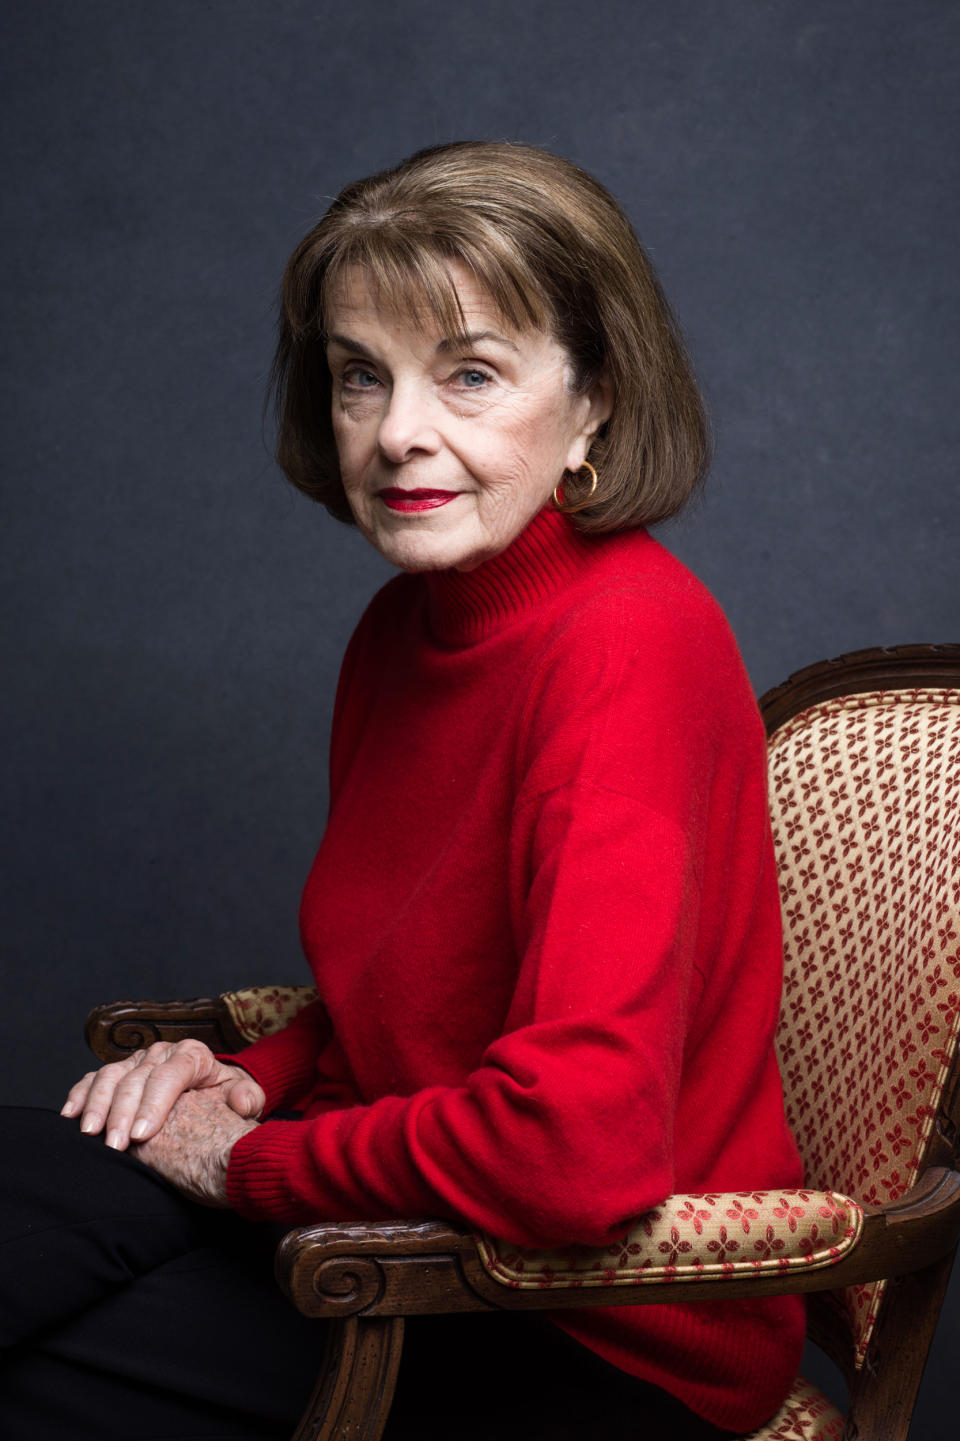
x=68 y=1108
x=138 y=1130
x=90 y=1123
x=115 y=1140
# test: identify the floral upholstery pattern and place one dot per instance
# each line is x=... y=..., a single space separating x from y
x=691 y=1238
x=261 y=1010
x=864 y=795
x=806 y=1415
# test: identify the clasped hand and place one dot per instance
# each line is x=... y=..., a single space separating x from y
x=177 y=1108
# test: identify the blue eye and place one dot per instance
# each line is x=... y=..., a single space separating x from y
x=362 y=379
x=474 y=379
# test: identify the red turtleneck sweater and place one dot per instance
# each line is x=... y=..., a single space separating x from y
x=545 y=927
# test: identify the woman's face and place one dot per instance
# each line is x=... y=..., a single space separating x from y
x=447 y=450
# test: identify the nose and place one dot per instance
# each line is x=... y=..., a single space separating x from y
x=406 y=427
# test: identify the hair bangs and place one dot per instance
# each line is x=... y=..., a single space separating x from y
x=412 y=276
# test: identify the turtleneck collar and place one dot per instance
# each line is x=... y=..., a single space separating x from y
x=549 y=554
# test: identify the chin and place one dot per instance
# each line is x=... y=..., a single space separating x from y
x=425 y=552
x=428 y=558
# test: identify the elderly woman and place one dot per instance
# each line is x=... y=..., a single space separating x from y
x=543 y=921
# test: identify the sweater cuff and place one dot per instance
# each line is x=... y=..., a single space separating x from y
x=258 y=1170
x=346 y=1164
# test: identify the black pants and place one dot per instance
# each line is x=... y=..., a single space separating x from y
x=127 y=1310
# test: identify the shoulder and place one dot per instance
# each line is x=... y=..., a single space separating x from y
x=638 y=684
x=639 y=608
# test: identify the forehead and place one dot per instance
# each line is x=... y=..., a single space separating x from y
x=468 y=307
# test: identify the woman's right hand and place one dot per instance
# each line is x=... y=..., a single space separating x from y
x=131 y=1099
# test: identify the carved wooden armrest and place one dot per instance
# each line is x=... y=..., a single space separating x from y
x=117 y=1028
x=408 y=1268
x=226 y=1023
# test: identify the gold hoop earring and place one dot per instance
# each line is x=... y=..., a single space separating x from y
x=580 y=504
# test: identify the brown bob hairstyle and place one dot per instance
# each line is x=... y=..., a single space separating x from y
x=554 y=251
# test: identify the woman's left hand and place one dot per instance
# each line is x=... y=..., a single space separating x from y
x=192 y=1148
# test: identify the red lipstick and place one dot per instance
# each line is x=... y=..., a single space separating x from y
x=412 y=500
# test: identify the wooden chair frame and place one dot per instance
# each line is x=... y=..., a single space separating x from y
x=366 y=1278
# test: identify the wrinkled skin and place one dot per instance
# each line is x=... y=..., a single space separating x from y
x=192 y=1147
x=177 y=1108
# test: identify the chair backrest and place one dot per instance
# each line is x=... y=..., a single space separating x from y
x=864 y=759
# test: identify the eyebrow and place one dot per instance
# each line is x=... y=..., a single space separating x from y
x=472 y=337
x=347 y=343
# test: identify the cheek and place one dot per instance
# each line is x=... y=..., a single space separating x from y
x=534 y=452
x=523 y=445
x=349 y=451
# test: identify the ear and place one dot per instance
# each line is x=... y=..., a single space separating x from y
x=597 y=408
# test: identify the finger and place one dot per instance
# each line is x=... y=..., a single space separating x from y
x=189 y=1064
x=127 y=1096
x=93 y=1095
x=246 y=1097
x=77 y=1095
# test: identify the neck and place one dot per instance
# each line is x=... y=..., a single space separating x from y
x=548 y=554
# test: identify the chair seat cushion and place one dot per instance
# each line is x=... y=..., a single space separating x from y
x=693 y=1238
x=806 y=1415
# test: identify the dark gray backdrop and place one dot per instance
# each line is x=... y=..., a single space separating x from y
x=175 y=614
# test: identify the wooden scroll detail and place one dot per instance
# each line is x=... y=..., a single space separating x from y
x=114 y=1030
x=382 y=1268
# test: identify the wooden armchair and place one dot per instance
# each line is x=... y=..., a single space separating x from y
x=865 y=801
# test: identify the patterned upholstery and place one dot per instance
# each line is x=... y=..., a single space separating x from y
x=806 y=1415
x=690 y=1238
x=261 y=1010
x=862 y=792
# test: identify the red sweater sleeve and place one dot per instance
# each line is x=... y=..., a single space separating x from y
x=533 y=1145
x=302 y=1064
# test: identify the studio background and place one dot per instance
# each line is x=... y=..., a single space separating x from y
x=174 y=613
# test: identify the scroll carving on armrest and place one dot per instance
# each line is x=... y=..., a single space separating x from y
x=115 y=1029
x=229 y=1022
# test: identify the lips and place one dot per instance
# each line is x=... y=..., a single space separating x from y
x=414 y=500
